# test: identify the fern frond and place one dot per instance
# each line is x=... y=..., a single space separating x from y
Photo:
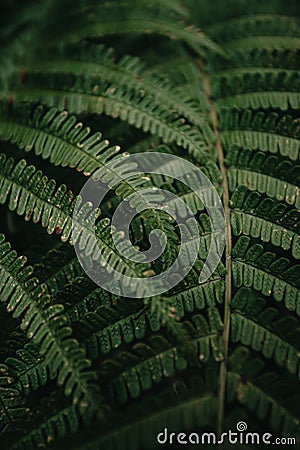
x=250 y=225
x=31 y=194
x=256 y=88
x=261 y=327
x=132 y=381
x=99 y=329
x=189 y=295
x=48 y=328
x=254 y=267
x=255 y=25
x=54 y=426
x=83 y=296
x=98 y=370
x=118 y=321
x=283 y=58
x=58 y=267
x=86 y=96
x=263 y=392
x=272 y=186
x=242 y=80
x=276 y=166
x=104 y=322
x=124 y=19
x=12 y=409
x=189 y=404
x=107 y=329
x=267 y=132
x=263 y=42
x=57 y=136
x=99 y=64
x=29 y=369
x=150 y=362
x=262 y=217
x=256 y=100
x=28 y=364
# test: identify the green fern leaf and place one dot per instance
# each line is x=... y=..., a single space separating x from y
x=48 y=328
x=12 y=409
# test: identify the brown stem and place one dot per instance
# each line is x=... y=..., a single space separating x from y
x=223 y=366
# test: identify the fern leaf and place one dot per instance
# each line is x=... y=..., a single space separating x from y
x=185 y=404
x=12 y=409
x=122 y=19
x=56 y=135
x=260 y=390
x=28 y=366
x=261 y=327
x=262 y=217
x=252 y=267
x=137 y=110
x=139 y=72
x=48 y=328
x=150 y=362
x=98 y=64
x=83 y=296
x=272 y=186
x=255 y=25
x=261 y=131
x=56 y=426
x=57 y=268
x=263 y=42
x=52 y=208
x=256 y=100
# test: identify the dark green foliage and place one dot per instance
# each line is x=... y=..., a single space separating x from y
x=83 y=83
x=257 y=388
